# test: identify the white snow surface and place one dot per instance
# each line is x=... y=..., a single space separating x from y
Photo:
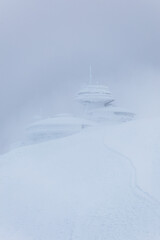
x=139 y=141
x=97 y=184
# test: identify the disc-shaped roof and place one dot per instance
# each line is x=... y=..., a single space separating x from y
x=95 y=94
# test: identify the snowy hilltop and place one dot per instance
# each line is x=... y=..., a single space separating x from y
x=98 y=108
x=83 y=178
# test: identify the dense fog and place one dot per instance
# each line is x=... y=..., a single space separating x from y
x=46 y=48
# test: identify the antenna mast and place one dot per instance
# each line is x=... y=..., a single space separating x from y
x=90 y=74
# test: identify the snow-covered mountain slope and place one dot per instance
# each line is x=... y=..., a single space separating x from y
x=75 y=188
x=139 y=141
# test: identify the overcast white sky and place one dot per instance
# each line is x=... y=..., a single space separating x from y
x=46 y=47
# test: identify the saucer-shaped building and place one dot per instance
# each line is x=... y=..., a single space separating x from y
x=99 y=105
x=96 y=95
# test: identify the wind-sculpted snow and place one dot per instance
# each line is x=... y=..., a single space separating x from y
x=73 y=188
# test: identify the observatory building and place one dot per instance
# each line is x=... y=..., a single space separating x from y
x=99 y=105
x=98 y=108
x=95 y=95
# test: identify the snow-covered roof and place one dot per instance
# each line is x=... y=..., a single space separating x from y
x=60 y=126
x=116 y=109
x=95 y=94
x=61 y=119
x=109 y=114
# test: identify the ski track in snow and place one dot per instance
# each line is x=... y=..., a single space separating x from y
x=134 y=185
x=104 y=201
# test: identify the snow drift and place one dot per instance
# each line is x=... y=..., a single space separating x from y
x=78 y=187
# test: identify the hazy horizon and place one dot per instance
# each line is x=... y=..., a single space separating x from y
x=47 y=47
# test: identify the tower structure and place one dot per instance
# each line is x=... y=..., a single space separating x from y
x=94 y=95
x=99 y=104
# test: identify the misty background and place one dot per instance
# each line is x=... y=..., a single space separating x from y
x=46 y=47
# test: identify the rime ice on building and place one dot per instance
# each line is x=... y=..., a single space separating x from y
x=99 y=105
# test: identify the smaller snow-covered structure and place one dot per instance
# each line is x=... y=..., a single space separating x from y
x=56 y=127
x=99 y=105
x=110 y=114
